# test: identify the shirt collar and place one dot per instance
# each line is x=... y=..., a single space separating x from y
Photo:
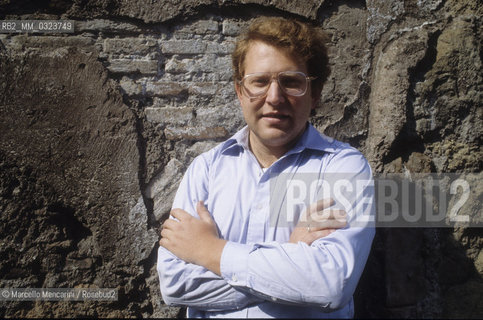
x=314 y=140
x=311 y=139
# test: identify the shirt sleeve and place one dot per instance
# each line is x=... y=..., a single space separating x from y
x=324 y=274
x=185 y=284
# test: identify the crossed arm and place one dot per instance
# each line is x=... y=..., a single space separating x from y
x=197 y=241
x=191 y=250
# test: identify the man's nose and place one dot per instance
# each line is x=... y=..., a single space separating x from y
x=275 y=94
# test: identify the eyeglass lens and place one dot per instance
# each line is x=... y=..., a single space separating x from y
x=292 y=83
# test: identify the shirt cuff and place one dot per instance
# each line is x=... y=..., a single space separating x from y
x=234 y=263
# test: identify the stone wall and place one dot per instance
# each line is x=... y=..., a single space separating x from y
x=98 y=126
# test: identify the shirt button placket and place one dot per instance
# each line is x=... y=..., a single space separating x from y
x=256 y=228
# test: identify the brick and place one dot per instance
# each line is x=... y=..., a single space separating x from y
x=54 y=42
x=203 y=88
x=225 y=47
x=101 y=25
x=209 y=63
x=176 y=65
x=214 y=116
x=183 y=47
x=195 y=133
x=169 y=115
x=147 y=67
x=199 y=27
x=233 y=28
x=165 y=88
x=130 y=46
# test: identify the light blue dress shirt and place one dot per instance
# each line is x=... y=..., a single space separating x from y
x=262 y=274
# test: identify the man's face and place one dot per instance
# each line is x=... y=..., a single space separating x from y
x=277 y=120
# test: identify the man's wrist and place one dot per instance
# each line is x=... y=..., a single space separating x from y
x=212 y=255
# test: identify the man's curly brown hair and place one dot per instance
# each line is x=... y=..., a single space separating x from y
x=299 y=39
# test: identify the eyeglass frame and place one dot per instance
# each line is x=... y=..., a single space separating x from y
x=308 y=80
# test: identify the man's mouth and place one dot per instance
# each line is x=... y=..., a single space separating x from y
x=280 y=116
x=275 y=118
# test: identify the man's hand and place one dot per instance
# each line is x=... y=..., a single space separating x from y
x=193 y=240
x=318 y=222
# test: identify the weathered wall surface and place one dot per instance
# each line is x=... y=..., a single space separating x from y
x=97 y=128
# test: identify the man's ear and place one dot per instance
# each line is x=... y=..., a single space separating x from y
x=316 y=95
x=238 y=90
x=315 y=103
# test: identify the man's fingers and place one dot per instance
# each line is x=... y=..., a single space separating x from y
x=321 y=234
x=316 y=207
x=327 y=219
x=180 y=214
x=168 y=224
x=329 y=214
x=203 y=212
x=165 y=235
x=328 y=224
x=165 y=232
x=321 y=205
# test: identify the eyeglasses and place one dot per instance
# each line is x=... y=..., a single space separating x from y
x=293 y=83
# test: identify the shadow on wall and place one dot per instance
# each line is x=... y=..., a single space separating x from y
x=420 y=273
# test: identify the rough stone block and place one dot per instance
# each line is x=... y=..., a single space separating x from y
x=229 y=116
x=203 y=88
x=233 y=28
x=102 y=25
x=195 y=133
x=429 y=5
x=208 y=63
x=169 y=115
x=183 y=47
x=130 y=46
x=54 y=42
x=176 y=65
x=198 y=148
x=162 y=188
x=381 y=13
x=137 y=220
x=130 y=87
x=147 y=67
x=389 y=96
x=198 y=27
x=225 y=47
x=165 y=88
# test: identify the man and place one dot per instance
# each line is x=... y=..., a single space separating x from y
x=230 y=249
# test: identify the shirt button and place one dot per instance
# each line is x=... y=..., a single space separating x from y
x=234 y=278
x=259 y=206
